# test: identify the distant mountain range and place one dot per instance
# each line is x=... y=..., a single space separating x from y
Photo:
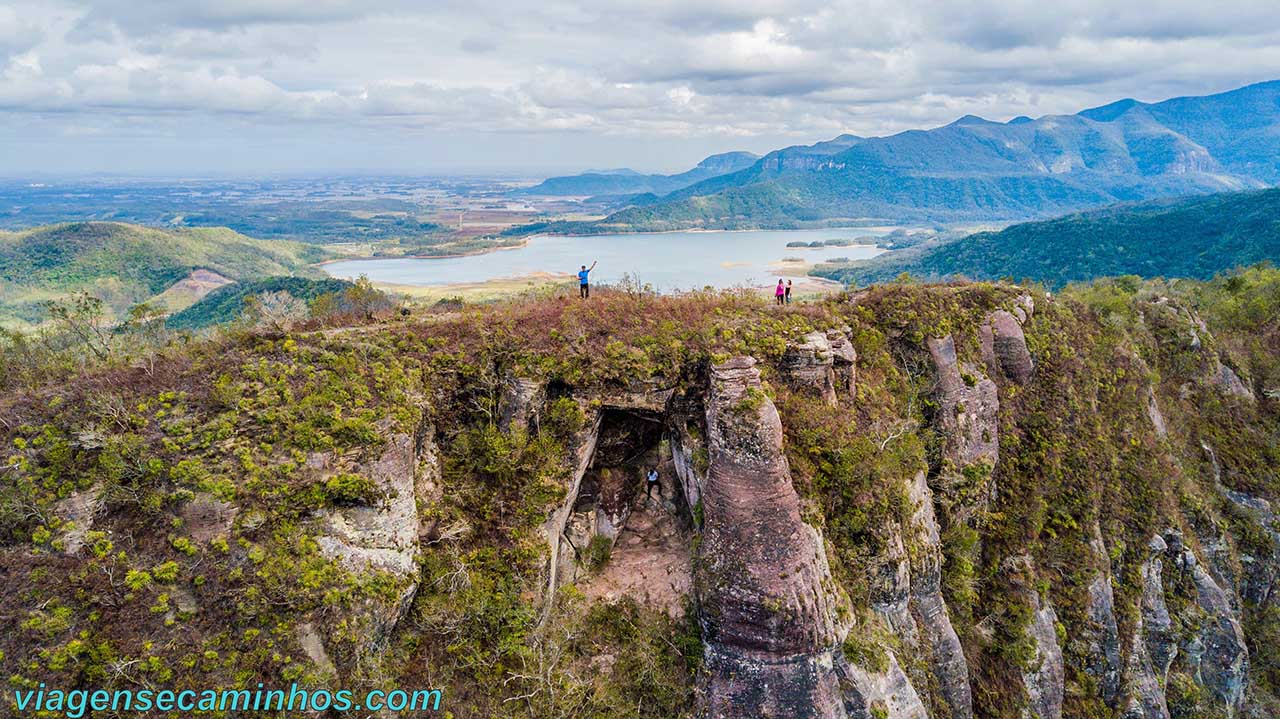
x=975 y=169
x=595 y=183
x=1188 y=237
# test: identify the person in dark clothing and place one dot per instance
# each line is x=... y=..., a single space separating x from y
x=788 y=292
x=652 y=482
x=584 y=288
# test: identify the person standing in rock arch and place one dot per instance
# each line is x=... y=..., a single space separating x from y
x=651 y=482
x=584 y=287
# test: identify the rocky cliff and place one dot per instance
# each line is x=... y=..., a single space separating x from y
x=909 y=503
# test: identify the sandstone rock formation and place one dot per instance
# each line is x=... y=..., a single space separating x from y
x=886 y=694
x=520 y=402
x=768 y=605
x=844 y=360
x=1004 y=346
x=1045 y=682
x=809 y=365
x=968 y=419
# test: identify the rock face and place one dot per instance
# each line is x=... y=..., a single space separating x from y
x=375 y=534
x=844 y=360
x=686 y=449
x=1046 y=682
x=1004 y=347
x=561 y=551
x=521 y=400
x=79 y=511
x=881 y=695
x=810 y=365
x=1224 y=665
x=381 y=535
x=1230 y=383
x=929 y=609
x=1260 y=569
x=767 y=603
x=1101 y=635
x=968 y=418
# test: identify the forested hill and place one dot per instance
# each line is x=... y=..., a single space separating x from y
x=1191 y=237
x=124 y=264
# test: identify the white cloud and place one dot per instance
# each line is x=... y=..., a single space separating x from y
x=764 y=71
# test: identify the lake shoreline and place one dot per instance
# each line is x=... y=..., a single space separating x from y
x=670 y=261
x=524 y=241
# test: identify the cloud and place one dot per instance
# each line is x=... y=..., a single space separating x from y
x=716 y=74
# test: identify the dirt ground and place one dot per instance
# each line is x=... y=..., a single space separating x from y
x=651 y=560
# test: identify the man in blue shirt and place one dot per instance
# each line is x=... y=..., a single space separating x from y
x=584 y=290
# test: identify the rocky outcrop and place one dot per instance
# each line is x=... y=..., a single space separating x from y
x=940 y=643
x=687 y=449
x=1230 y=383
x=521 y=400
x=809 y=366
x=1045 y=682
x=886 y=694
x=844 y=361
x=379 y=534
x=907 y=595
x=1260 y=565
x=1157 y=629
x=1100 y=635
x=206 y=517
x=767 y=602
x=1004 y=347
x=375 y=532
x=1155 y=415
x=968 y=419
x=1153 y=644
x=562 y=554
x=1223 y=663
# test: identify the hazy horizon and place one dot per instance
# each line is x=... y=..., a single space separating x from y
x=146 y=88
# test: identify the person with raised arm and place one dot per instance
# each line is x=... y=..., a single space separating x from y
x=584 y=287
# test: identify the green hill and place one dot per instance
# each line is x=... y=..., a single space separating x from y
x=226 y=303
x=1190 y=237
x=125 y=264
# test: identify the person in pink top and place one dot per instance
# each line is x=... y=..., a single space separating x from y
x=779 y=294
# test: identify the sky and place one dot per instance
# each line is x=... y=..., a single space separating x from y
x=249 y=87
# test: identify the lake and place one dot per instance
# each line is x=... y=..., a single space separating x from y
x=669 y=261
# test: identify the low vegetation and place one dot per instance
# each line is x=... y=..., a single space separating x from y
x=242 y=415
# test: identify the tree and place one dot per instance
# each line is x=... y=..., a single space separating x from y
x=275 y=311
x=82 y=316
